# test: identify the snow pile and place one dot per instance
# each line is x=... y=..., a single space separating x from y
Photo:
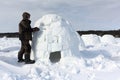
x=91 y=39
x=108 y=39
x=5 y=44
x=56 y=34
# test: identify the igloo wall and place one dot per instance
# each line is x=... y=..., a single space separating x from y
x=56 y=34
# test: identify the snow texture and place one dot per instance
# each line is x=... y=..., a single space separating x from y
x=108 y=39
x=90 y=39
x=97 y=62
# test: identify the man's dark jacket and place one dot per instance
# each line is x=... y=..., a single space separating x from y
x=25 y=30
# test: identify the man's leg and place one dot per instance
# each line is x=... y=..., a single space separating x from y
x=27 y=53
x=21 y=52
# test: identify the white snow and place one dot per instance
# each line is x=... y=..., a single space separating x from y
x=96 y=63
x=98 y=60
x=90 y=39
x=108 y=39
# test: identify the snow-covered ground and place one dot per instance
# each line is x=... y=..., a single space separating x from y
x=99 y=60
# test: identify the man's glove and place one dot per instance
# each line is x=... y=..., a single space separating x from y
x=36 y=29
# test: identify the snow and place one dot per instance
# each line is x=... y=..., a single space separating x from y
x=99 y=62
x=108 y=39
x=90 y=39
x=98 y=59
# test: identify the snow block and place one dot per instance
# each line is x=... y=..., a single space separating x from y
x=56 y=34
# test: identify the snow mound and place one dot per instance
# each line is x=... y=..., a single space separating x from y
x=56 y=34
x=108 y=39
x=90 y=39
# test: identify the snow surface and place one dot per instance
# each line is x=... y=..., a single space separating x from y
x=97 y=62
x=108 y=39
x=90 y=39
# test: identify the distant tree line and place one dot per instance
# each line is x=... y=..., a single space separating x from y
x=115 y=33
x=11 y=35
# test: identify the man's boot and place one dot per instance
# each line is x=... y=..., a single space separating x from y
x=27 y=59
x=30 y=62
x=21 y=60
x=20 y=57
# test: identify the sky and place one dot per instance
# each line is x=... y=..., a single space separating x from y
x=82 y=14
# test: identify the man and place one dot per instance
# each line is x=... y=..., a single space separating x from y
x=25 y=35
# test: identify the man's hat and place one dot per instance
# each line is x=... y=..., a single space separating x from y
x=26 y=15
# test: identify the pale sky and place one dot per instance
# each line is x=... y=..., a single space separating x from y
x=82 y=14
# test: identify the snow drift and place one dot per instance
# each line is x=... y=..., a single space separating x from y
x=90 y=39
x=108 y=39
x=56 y=34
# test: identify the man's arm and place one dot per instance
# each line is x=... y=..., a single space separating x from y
x=35 y=29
